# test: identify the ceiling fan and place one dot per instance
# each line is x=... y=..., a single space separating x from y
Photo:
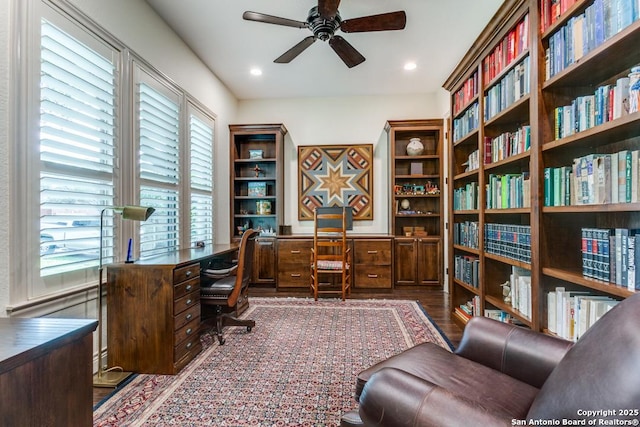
x=323 y=21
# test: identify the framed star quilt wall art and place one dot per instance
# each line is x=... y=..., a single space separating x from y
x=335 y=175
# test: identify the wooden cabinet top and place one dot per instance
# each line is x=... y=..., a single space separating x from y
x=24 y=339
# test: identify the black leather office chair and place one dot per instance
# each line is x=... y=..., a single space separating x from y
x=228 y=293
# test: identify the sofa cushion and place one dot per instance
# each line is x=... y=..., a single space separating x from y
x=503 y=395
x=601 y=372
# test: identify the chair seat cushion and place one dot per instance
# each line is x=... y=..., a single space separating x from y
x=219 y=289
x=495 y=391
x=330 y=265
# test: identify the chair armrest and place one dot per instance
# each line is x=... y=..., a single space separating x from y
x=396 y=398
x=220 y=273
x=518 y=352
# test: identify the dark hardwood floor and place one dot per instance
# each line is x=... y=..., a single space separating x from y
x=434 y=301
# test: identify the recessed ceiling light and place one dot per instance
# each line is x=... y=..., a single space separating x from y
x=410 y=66
x=256 y=72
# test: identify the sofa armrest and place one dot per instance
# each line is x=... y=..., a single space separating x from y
x=396 y=398
x=518 y=352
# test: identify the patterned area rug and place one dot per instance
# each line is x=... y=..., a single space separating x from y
x=296 y=367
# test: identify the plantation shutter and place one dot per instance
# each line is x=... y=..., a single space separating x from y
x=158 y=128
x=201 y=180
x=77 y=128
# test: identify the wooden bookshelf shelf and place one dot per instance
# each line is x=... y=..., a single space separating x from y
x=565 y=246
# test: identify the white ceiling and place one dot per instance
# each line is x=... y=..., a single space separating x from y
x=438 y=33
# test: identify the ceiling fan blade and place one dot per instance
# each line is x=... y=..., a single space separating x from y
x=346 y=52
x=289 y=55
x=268 y=19
x=382 y=22
x=328 y=8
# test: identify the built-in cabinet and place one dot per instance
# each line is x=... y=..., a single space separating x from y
x=416 y=209
x=533 y=108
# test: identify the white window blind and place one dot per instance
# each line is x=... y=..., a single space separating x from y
x=158 y=129
x=77 y=128
x=201 y=180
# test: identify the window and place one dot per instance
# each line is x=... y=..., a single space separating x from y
x=73 y=161
x=159 y=138
x=201 y=167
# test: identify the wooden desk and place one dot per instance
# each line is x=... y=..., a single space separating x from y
x=153 y=310
x=46 y=372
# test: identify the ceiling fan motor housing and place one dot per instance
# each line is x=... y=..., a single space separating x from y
x=322 y=28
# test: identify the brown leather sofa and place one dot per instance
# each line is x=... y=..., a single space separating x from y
x=506 y=375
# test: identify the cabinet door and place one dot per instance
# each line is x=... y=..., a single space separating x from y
x=264 y=262
x=429 y=262
x=405 y=267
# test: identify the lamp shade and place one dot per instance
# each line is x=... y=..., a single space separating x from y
x=135 y=213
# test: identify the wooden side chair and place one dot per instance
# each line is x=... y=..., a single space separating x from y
x=330 y=252
x=228 y=289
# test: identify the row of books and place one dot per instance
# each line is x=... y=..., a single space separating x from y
x=466 y=93
x=508 y=240
x=585 y=32
x=609 y=102
x=467 y=234
x=520 y=286
x=466 y=123
x=466 y=269
x=469 y=309
x=508 y=191
x=551 y=11
x=571 y=313
x=612 y=255
x=466 y=198
x=473 y=161
x=505 y=52
x=506 y=145
x=595 y=179
x=513 y=86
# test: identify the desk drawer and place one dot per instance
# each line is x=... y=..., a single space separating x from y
x=186 y=316
x=189 y=347
x=294 y=276
x=187 y=331
x=373 y=252
x=373 y=277
x=186 y=287
x=293 y=252
x=187 y=272
x=183 y=303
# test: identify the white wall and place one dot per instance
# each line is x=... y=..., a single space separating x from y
x=5 y=219
x=143 y=31
x=347 y=120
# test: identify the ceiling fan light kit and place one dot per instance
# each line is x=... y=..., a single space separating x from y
x=323 y=21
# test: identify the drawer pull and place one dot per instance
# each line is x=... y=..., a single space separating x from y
x=188 y=273
x=189 y=301
x=372 y=276
x=188 y=332
x=189 y=316
x=189 y=287
x=295 y=274
x=295 y=252
x=372 y=252
x=189 y=345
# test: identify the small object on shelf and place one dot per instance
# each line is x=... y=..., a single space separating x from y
x=506 y=292
x=258 y=170
x=416 y=168
x=415 y=147
x=405 y=205
x=257 y=189
x=263 y=207
x=255 y=154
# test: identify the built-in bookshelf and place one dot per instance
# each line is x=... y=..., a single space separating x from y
x=257 y=181
x=555 y=189
x=416 y=204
